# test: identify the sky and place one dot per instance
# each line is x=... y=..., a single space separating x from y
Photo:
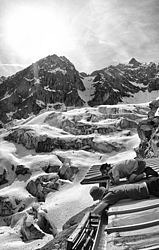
x=92 y=34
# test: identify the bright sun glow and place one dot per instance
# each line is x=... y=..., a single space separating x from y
x=34 y=32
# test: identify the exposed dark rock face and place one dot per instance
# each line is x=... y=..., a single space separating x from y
x=31 y=140
x=126 y=123
x=51 y=168
x=66 y=172
x=9 y=206
x=134 y=62
x=45 y=225
x=43 y=143
x=30 y=232
x=21 y=169
x=1 y=125
x=50 y=80
x=32 y=223
x=2 y=78
x=7 y=172
x=29 y=222
x=3 y=177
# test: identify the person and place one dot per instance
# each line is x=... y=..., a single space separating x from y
x=132 y=169
x=135 y=191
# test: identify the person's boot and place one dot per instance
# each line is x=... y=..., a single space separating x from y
x=150 y=171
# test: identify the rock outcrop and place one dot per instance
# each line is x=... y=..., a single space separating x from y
x=42 y=185
x=11 y=205
x=44 y=223
x=44 y=143
x=30 y=231
x=66 y=172
x=124 y=123
x=8 y=205
x=3 y=175
x=134 y=62
x=7 y=171
x=33 y=223
x=1 y=125
x=22 y=170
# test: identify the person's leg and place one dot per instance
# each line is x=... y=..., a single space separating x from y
x=149 y=171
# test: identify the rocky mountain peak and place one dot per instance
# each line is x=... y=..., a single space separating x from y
x=53 y=62
x=50 y=80
x=134 y=62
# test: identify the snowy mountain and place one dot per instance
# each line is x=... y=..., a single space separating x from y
x=128 y=83
x=54 y=80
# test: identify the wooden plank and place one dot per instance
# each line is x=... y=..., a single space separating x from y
x=94 y=171
x=151 y=248
x=133 y=206
x=89 y=175
x=77 y=231
x=92 y=181
x=132 y=227
x=134 y=218
x=100 y=238
x=147 y=238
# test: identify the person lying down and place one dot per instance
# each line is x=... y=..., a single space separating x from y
x=135 y=191
x=133 y=170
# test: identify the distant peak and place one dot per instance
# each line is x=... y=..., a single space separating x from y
x=134 y=62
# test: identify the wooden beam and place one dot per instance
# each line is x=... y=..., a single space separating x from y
x=133 y=210
x=132 y=227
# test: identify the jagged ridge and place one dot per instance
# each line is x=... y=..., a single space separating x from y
x=54 y=79
x=124 y=80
